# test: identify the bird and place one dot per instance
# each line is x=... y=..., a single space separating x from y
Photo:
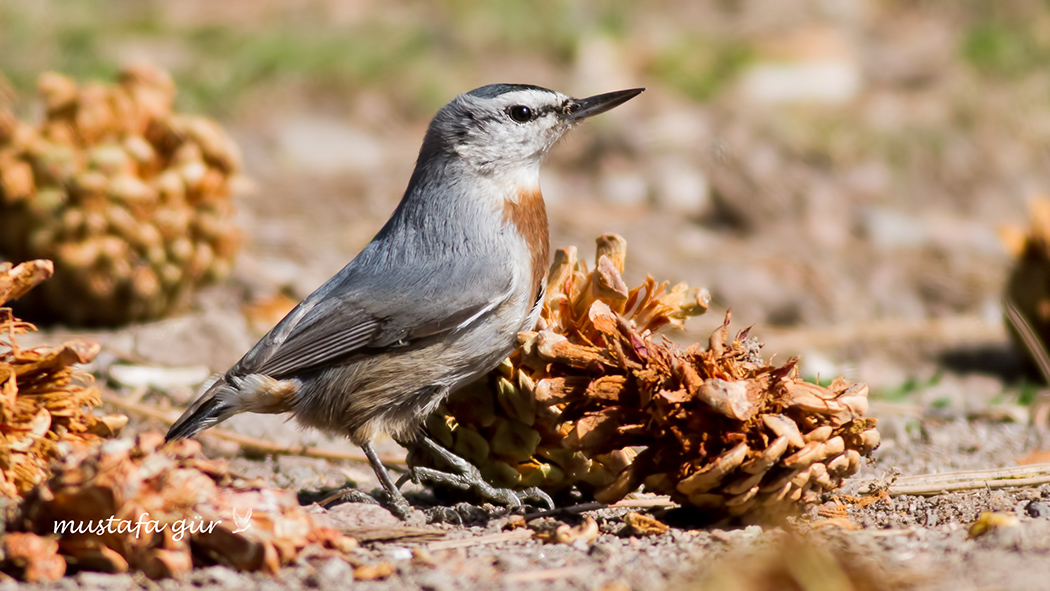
x=435 y=300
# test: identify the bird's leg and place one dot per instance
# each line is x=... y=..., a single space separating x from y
x=396 y=502
x=464 y=476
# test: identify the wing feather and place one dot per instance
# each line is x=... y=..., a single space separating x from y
x=356 y=312
x=307 y=349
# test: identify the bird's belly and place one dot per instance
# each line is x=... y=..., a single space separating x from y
x=392 y=393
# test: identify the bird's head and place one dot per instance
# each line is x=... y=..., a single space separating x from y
x=504 y=128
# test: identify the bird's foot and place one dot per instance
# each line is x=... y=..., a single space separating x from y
x=462 y=475
x=463 y=514
x=398 y=505
x=347 y=495
x=391 y=497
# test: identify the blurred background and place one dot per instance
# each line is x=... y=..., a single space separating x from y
x=839 y=173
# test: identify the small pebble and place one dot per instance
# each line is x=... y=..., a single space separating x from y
x=1037 y=509
x=333 y=572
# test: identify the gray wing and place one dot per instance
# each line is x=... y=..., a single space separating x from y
x=361 y=312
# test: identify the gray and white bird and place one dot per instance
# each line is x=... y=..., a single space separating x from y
x=437 y=298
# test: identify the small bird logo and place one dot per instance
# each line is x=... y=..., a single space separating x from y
x=243 y=522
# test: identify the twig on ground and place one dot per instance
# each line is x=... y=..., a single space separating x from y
x=956 y=329
x=1035 y=345
x=656 y=501
x=935 y=484
x=254 y=444
x=391 y=534
x=520 y=534
x=1040 y=411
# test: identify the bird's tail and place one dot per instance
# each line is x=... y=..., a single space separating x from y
x=210 y=409
x=230 y=395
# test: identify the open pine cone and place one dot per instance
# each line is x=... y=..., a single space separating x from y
x=173 y=510
x=717 y=428
x=72 y=484
x=130 y=200
x=45 y=403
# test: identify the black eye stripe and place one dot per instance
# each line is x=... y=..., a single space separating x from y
x=535 y=112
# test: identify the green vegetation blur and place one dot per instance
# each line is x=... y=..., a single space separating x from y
x=425 y=49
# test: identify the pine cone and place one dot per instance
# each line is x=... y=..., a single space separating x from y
x=130 y=200
x=46 y=406
x=718 y=428
x=97 y=497
x=52 y=459
x=1028 y=288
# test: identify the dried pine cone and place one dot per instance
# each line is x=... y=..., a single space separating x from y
x=717 y=428
x=45 y=404
x=745 y=437
x=130 y=200
x=119 y=505
x=160 y=509
x=511 y=429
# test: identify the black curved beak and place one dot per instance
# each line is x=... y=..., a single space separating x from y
x=600 y=103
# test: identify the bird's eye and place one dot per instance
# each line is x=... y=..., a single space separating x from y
x=520 y=113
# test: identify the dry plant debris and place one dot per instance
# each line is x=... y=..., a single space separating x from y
x=30 y=557
x=45 y=403
x=581 y=535
x=990 y=521
x=376 y=572
x=941 y=482
x=718 y=428
x=163 y=509
x=643 y=524
x=131 y=200
x=115 y=505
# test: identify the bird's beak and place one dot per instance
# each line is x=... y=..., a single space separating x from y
x=600 y=103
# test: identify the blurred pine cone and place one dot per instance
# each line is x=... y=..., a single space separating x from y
x=1027 y=300
x=129 y=199
x=718 y=428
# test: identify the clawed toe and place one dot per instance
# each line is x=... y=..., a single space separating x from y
x=348 y=495
x=470 y=482
x=441 y=514
x=537 y=496
x=464 y=476
x=396 y=504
